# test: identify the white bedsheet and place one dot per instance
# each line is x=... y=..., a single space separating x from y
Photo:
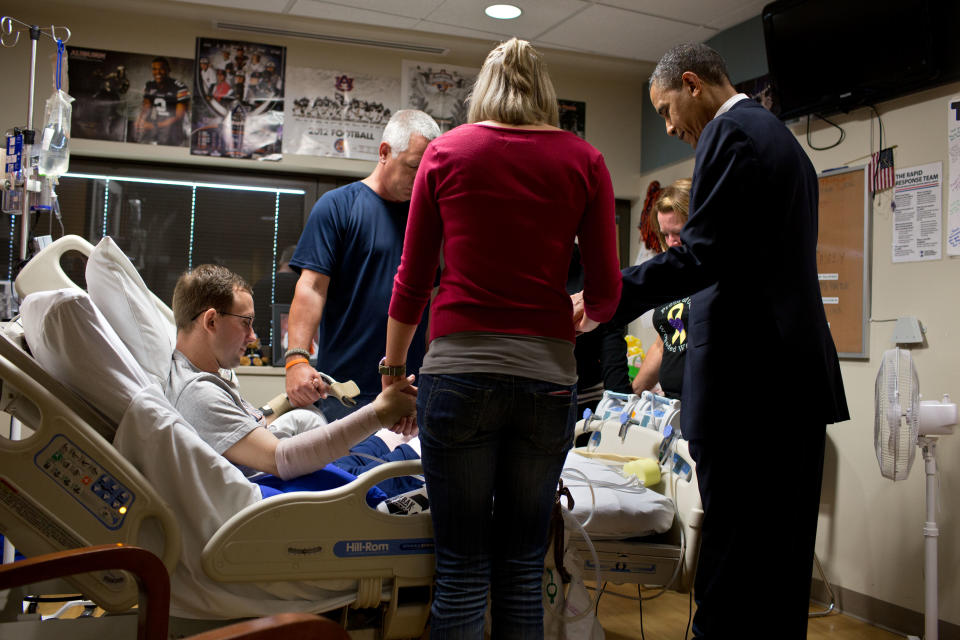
x=617 y=513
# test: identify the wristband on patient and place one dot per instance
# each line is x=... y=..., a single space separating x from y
x=314 y=449
x=295 y=362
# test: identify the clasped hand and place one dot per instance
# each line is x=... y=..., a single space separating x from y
x=581 y=321
x=402 y=396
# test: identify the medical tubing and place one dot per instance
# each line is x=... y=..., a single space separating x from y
x=683 y=553
x=566 y=475
x=570 y=519
x=665 y=588
x=639 y=488
x=60 y=49
x=630 y=485
x=55 y=208
x=673 y=479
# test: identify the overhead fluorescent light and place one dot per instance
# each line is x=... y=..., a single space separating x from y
x=183 y=183
x=503 y=11
x=327 y=37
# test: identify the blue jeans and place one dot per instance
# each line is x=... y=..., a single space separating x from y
x=493 y=447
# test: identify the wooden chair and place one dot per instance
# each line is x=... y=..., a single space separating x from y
x=154 y=594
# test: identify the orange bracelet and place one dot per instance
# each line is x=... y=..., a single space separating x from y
x=296 y=361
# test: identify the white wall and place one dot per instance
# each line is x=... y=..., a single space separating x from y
x=610 y=87
x=870 y=538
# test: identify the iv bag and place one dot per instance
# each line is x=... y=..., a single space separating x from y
x=55 y=137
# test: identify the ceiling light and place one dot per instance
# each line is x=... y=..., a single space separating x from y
x=503 y=11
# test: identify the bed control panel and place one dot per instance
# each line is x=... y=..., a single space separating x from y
x=83 y=478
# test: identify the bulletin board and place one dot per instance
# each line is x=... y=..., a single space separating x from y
x=843 y=258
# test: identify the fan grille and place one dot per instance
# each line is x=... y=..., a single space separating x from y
x=897 y=414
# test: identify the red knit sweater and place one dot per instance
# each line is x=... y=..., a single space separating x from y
x=505 y=206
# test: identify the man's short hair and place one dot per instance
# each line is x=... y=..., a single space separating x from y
x=698 y=58
x=163 y=61
x=404 y=124
x=208 y=286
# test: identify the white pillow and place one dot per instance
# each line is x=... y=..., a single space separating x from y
x=617 y=512
x=143 y=322
x=72 y=340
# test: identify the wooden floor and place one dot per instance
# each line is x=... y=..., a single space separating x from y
x=665 y=618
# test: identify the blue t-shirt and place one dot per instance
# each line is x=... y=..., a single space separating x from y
x=356 y=238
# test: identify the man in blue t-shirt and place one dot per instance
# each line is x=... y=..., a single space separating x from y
x=347 y=256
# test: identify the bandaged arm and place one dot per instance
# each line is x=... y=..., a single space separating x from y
x=313 y=449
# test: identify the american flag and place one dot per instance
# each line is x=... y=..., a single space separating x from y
x=881 y=170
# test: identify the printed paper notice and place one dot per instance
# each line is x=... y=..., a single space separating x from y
x=917 y=232
x=953 y=198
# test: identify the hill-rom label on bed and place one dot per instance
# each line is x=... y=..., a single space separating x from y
x=408 y=546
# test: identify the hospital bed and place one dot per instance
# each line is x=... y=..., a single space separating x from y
x=664 y=553
x=105 y=459
x=87 y=395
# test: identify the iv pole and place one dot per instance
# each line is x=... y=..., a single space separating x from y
x=31 y=183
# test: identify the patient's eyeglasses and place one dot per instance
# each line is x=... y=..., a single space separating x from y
x=247 y=320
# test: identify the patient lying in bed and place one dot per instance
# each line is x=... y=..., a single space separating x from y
x=213 y=309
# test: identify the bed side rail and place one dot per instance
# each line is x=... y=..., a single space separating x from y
x=44 y=273
x=333 y=535
x=680 y=485
x=351 y=540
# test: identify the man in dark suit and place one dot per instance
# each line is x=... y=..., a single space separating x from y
x=761 y=378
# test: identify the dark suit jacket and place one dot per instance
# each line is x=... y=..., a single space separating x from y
x=757 y=326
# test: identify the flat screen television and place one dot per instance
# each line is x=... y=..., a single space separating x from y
x=827 y=56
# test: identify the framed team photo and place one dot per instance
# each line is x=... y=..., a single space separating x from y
x=238 y=105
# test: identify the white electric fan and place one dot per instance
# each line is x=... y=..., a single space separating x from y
x=904 y=422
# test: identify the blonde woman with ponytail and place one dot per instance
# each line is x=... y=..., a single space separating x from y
x=502 y=200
